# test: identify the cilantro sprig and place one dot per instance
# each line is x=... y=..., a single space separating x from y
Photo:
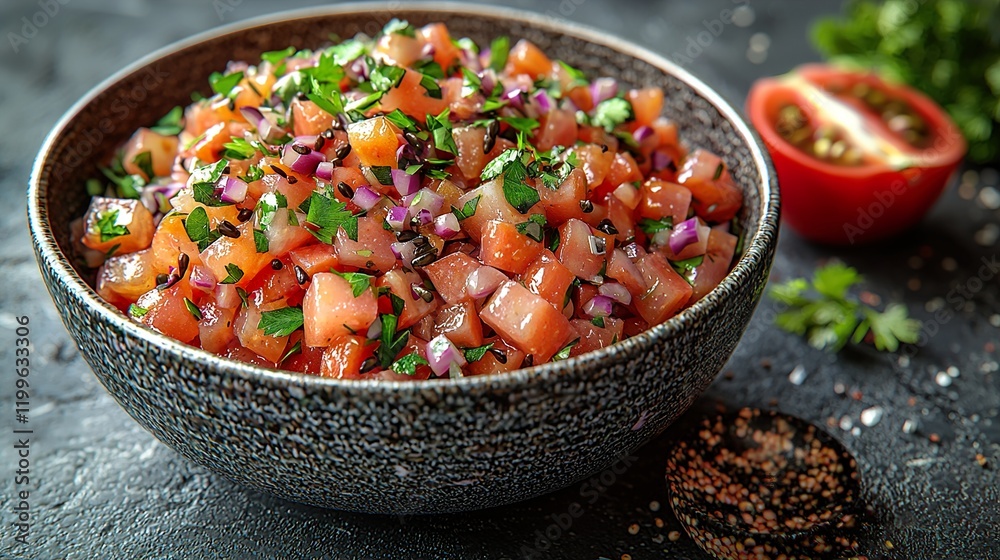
x=823 y=311
x=281 y=322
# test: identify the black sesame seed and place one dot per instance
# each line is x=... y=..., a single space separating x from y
x=320 y=142
x=300 y=275
x=604 y=148
x=425 y=259
x=493 y=128
x=488 y=143
x=405 y=235
x=529 y=361
x=328 y=134
x=229 y=230
x=369 y=364
x=499 y=354
x=279 y=171
x=291 y=180
x=226 y=170
x=587 y=206
x=183 y=260
x=412 y=139
x=607 y=227
x=300 y=149
x=162 y=279
x=423 y=293
x=336 y=162
x=345 y=190
x=336 y=125
x=343 y=151
x=420 y=241
x=277 y=265
x=244 y=215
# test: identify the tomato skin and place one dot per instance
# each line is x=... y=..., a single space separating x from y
x=331 y=310
x=548 y=278
x=503 y=247
x=461 y=324
x=449 y=273
x=841 y=205
x=526 y=321
x=667 y=293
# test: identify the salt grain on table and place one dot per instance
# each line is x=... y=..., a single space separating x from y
x=798 y=375
x=871 y=416
x=942 y=379
x=909 y=426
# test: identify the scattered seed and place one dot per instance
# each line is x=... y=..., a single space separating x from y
x=300 y=149
x=981 y=459
x=425 y=259
x=229 y=230
x=909 y=426
x=587 y=206
x=369 y=364
x=320 y=142
x=633 y=529
x=345 y=190
x=244 y=215
x=499 y=355
x=300 y=275
x=654 y=506
x=343 y=151
x=674 y=536
x=607 y=227
x=276 y=264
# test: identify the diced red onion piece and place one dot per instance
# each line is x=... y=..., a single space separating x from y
x=306 y=163
x=484 y=281
x=202 y=279
x=252 y=115
x=603 y=89
x=232 y=189
x=405 y=252
x=325 y=170
x=426 y=199
x=427 y=50
x=441 y=354
x=424 y=217
x=360 y=67
x=615 y=291
x=488 y=80
x=226 y=296
x=544 y=102
x=683 y=234
x=643 y=133
x=446 y=225
x=661 y=160
x=396 y=217
x=514 y=98
x=365 y=198
x=599 y=306
x=405 y=184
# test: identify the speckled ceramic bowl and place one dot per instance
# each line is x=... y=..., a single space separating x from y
x=390 y=447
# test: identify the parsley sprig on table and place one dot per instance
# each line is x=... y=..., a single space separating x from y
x=828 y=316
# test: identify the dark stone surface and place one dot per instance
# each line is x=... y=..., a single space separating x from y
x=101 y=487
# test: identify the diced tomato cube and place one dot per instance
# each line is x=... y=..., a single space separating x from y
x=661 y=199
x=715 y=267
x=331 y=310
x=235 y=351
x=127 y=276
x=342 y=358
x=169 y=241
x=414 y=308
x=558 y=128
x=622 y=269
x=526 y=321
x=549 y=278
x=374 y=141
x=215 y=330
x=167 y=313
x=253 y=338
x=647 y=103
x=318 y=257
x=526 y=58
x=505 y=248
x=471 y=157
x=563 y=203
x=715 y=198
x=492 y=205
x=593 y=337
x=449 y=275
x=513 y=358
x=162 y=151
x=461 y=324
x=436 y=34
x=272 y=285
x=240 y=252
x=371 y=251
x=575 y=250
x=667 y=294
x=308 y=119
x=411 y=98
x=126 y=223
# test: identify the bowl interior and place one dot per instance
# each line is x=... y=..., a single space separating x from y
x=140 y=94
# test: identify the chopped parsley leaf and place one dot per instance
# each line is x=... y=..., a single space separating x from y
x=468 y=209
x=651 y=226
x=499 y=50
x=359 y=281
x=192 y=309
x=281 y=322
x=477 y=353
x=329 y=215
x=108 y=227
x=198 y=230
x=407 y=365
x=260 y=241
x=224 y=84
x=564 y=352
x=238 y=148
x=170 y=124
x=276 y=57
x=233 y=274
x=611 y=113
x=440 y=129
x=144 y=161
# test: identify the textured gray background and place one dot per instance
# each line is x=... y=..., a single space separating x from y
x=104 y=488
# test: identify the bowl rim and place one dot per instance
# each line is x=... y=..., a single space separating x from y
x=755 y=249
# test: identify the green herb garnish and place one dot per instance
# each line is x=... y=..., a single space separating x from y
x=281 y=322
x=108 y=227
x=329 y=215
x=233 y=274
x=831 y=318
